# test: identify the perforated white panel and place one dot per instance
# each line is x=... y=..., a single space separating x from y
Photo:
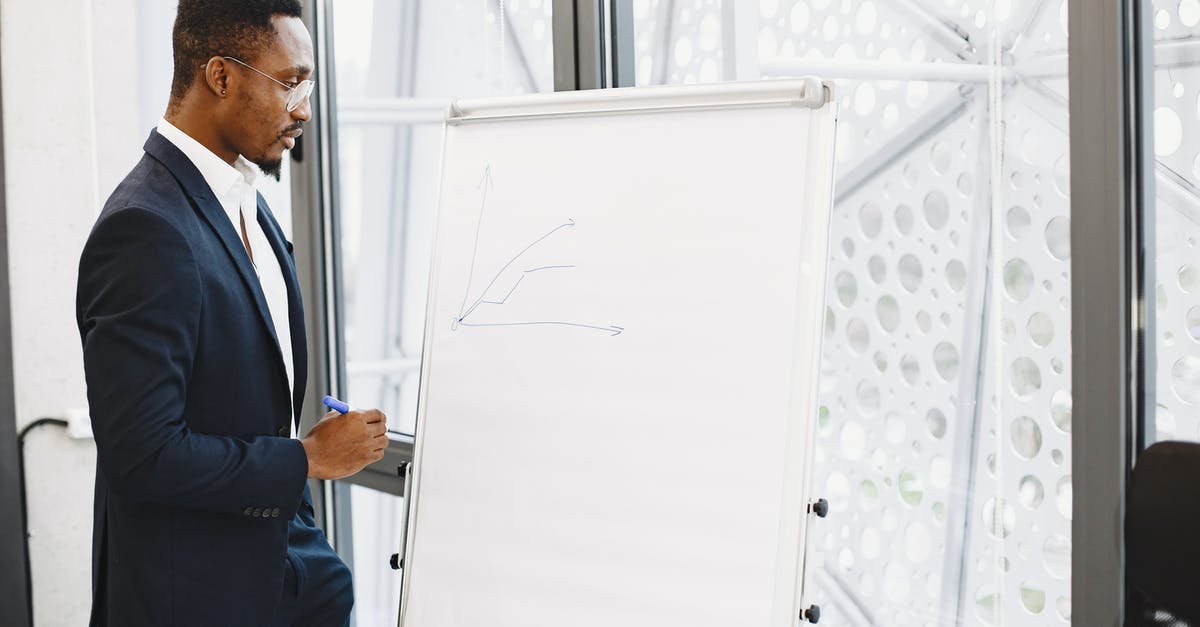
x=944 y=428
x=1017 y=564
x=904 y=275
x=677 y=42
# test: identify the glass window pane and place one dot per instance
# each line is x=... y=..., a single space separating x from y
x=944 y=429
x=398 y=64
x=1176 y=127
x=375 y=525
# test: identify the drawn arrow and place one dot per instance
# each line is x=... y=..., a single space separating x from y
x=612 y=330
x=486 y=181
x=485 y=184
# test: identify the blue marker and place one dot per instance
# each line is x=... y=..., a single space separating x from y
x=335 y=404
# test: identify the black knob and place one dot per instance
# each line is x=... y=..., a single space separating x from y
x=400 y=471
x=813 y=613
x=820 y=508
x=396 y=562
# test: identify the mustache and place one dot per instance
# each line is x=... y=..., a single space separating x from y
x=295 y=127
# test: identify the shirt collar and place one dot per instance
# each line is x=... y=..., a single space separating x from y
x=220 y=176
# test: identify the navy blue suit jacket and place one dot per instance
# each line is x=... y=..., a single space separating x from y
x=196 y=478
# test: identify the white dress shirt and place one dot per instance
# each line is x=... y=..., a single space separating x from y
x=235 y=188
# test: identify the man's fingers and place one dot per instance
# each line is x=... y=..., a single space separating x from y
x=376 y=421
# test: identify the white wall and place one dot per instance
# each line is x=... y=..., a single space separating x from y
x=83 y=82
x=53 y=157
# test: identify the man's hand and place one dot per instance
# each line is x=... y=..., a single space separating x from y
x=343 y=444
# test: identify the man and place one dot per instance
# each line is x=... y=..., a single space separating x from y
x=194 y=350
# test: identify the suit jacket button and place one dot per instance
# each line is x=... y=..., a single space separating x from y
x=275 y=513
x=284 y=431
x=257 y=512
x=248 y=511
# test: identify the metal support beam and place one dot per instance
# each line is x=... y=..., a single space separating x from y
x=593 y=44
x=1177 y=53
x=830 y=69
x=1110 y=194
x=939 y=29
x=622 y=57
x=1169 y=54
x=913 y=136
x=16 y=603
x=314 y=181
x=566 y=57
x=1144 y=203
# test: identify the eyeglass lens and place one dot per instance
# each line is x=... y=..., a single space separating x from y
x=299 y=94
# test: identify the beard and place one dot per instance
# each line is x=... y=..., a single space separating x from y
x=274 y=167
x=271 y=167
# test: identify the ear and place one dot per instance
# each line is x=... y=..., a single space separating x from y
x=216 y=76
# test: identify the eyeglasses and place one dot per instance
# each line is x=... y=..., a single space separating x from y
x=297 y=93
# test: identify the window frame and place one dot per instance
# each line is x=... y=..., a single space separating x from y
x=1112 y=208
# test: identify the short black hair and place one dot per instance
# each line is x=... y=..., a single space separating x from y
x=211 y=28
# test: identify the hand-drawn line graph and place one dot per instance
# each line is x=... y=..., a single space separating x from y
x=471 y=306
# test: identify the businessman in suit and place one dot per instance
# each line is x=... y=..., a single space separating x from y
x=194 y=350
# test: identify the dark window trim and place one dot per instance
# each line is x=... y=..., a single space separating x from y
x=593 y=44
x=1112 y=289
x=16 y=604
x=314 y=232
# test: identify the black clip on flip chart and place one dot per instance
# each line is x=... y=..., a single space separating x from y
x=820 y=507
x=405 y=472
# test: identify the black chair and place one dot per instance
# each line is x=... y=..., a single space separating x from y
x=1162 y=537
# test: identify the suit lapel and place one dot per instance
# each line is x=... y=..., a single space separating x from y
x=207 y=205
x=295 y=304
